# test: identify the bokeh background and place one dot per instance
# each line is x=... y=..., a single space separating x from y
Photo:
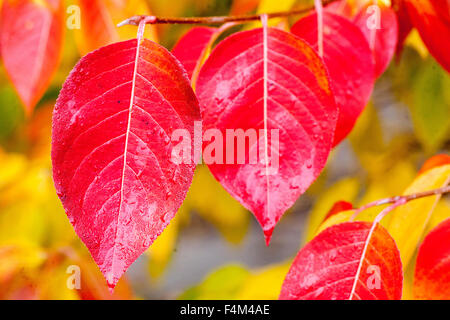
x=214 y=248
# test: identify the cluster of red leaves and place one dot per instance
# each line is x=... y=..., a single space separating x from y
x=112 y=126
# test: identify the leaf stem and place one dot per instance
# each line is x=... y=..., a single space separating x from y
x=399 y=200
x=135 y=20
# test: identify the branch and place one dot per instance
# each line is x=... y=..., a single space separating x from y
x=135 y=20
x=399 y=200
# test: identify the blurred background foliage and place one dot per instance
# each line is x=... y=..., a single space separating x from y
x=213 y=248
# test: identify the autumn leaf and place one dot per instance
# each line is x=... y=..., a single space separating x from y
x=31 y=40
x=264 y=283
x=210 y=201
x=349 y=261
x=432 y=19
x=378 y=23
x=429 y=106
x=99 y=19
x=193 y=48
x=235 y=282
x=433 y=266
x=112 y=149
x=297 y=106
x=345 y=47
x=240 y=7
x=339 y=207
x=408 y=222
x=434 y=162
x=382 y=34
x=404 y=23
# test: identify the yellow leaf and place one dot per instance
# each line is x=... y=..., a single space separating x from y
x=234 y=282
x=264 y=284
x=16 y=259
x=224 y=283
x=415 y=41
x=210 y=200
x=408 y=222
x=440 y=213
x=12 y=165
x=388 y=183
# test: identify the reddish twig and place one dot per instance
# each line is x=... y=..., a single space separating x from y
x=135 y=20
x=399 y=200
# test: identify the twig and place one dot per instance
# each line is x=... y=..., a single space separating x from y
x=401 y=199
x=135 y=20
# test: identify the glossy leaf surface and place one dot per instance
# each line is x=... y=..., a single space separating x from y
x=348 y=261
x=300 y=110
x=349 y=62
x=112 y=149
x=190 y=47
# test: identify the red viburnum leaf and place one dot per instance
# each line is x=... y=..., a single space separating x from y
x=31 y=42
x=349 y=62
x=383 y=40
x=404 y=24
x=252 y=74
x=189 y=49
x=432 y=274
x=348 y=261
x=111 y=149
x=432 y=20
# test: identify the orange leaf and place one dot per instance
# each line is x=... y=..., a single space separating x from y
x=99 y=21
x=434 y=162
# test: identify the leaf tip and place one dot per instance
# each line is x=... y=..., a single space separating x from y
x=268 y=235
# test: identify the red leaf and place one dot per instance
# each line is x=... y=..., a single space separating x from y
x=383 y=41
x=352 y=260
x=111 y=149
x=300 y=105
x=432 y=20
x=432 y=274
x=31 y=43
x=338 y=207
x=189 y=49
x=349 y=62
x=404 y=23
